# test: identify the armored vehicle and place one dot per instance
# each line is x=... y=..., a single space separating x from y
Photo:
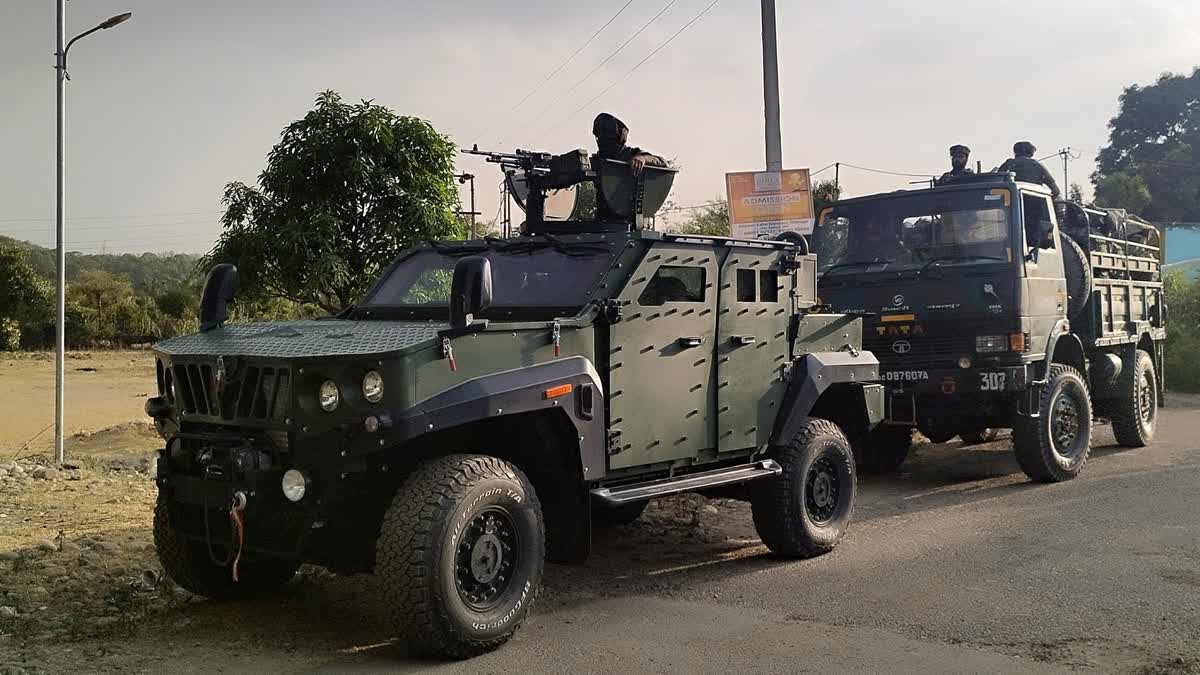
x=990 y=306
x=488 y=400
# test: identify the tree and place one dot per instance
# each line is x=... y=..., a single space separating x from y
x=1123 y=190
x=1075 y=193
x=24 y=298
x=344 y=191
x=711 y=219
x=825 y=194
x=1156 y=137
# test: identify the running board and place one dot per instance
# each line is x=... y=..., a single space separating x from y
x=640 y=492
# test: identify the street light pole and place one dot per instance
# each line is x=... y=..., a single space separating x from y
x=60 y=352
x=771 y=87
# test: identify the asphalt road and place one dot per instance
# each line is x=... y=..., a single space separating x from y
x=957 y=564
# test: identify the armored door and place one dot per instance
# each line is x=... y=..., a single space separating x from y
x=753 y=307
x=661 y=367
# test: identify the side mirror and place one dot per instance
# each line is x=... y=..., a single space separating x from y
x=470 y=290
x=219 y=288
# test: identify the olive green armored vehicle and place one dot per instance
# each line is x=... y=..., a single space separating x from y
x=487 y=401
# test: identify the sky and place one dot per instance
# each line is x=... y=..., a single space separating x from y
x=165 y=109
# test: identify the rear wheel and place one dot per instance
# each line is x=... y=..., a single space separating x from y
x=461 y=551
x=1134 y=418
x=1077 y=268
x=883 y=449
x=804 y=511
x=1054 y=446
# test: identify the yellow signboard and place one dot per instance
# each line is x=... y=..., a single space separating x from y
x=766 y=203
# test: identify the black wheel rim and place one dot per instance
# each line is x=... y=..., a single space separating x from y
x=822 y=490
x=1146 y=400
x=486 y=558
x=1065 y=425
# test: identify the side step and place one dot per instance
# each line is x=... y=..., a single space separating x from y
x=639 y=492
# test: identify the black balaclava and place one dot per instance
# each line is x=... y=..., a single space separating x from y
x=610 y=134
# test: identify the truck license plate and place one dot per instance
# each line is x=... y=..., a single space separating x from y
x=992 y=381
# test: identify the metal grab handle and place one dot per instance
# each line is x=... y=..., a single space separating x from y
x=688 y=342
x=743 y=340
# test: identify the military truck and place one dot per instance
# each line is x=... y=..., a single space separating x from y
x=991 y=306
x=488 y=399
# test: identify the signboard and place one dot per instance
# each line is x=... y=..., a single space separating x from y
x=765 y=203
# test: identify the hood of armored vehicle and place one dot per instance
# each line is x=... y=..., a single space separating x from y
x=304 y=339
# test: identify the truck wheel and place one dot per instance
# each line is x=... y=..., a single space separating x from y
x=189 y=565
x=804 y=511
x=883 y=449
x=1077 y=268
x=1054 y=446
x=1134 y=418
x=461 y=552
x=616 y=516
x=981 y=435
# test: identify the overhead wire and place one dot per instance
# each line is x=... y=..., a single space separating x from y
x=559 y=68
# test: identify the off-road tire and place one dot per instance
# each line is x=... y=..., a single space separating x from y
x=978 y=436
x=425 y=554
x=1035 y=441
x=783 y=506
x=188 y=564
x=1134 y=418
x=1077 y=269
x=882 y=450
x=616 y=516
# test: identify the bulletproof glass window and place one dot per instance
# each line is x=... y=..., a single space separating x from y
x=1039 y=227
x=745 y=286
x=674 y=284
x=768 y=286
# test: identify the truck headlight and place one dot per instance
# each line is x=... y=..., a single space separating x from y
x=990 y=344
x=328 y=396
x=294 y=484
x=372 y=386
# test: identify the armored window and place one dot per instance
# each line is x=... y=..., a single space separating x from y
x=768 y=286
x=1039 y=226
x=745 y=286
x=674 y=284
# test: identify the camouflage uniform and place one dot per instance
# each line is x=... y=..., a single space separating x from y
x=1028 y=169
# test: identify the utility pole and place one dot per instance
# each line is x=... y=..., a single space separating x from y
x=771 y=87
x=463 y=178
x=1065 y=154
x=837 y=178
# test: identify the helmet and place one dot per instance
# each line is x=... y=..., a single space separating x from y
x=1023 y=148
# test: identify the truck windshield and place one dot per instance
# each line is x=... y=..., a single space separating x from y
x=525 y=276
x=914 y=232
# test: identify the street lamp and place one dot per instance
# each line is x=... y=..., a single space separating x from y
x=60 y=67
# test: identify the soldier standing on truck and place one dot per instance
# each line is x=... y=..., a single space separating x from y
x=1028 y=169
x=959 y=155
x=611 y=134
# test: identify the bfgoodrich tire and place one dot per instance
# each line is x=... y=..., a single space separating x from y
x=804 y=511
x=188 y=563
x=1054 y=446
x=1134 y=418
x=461 y=552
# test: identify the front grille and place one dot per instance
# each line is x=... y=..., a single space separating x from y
x=251 y=392
x=923 y=352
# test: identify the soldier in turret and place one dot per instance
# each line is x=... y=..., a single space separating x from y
x=1028 y=169
x=611 y=135
x=959 y=155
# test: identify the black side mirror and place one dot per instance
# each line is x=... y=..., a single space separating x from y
x=470 y=290
x=219 y=288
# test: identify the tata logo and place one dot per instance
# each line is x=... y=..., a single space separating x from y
x=898 y=300
x=902 y=346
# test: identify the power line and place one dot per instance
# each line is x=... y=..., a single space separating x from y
x=890 y=173
x=822 y=170
x=559 y=68
x=599 y=66
x=639 y=64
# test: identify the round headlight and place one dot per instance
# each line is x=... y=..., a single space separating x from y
x=328 y=396
x=294 y=485
x=964 y=362
x=372 y=386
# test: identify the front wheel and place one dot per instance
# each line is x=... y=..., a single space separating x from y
x=461 y=552
x=804 y=511
x=1134 y=417
x=1054 y=446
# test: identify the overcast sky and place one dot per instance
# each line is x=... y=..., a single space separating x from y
x=167 y=108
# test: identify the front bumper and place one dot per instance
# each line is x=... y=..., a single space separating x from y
x=909 y=391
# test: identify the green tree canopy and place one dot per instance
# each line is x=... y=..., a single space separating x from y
x=24 y=295
x=711 y=219
x=344 y=191
x=1123 y=190
x=1156 y=137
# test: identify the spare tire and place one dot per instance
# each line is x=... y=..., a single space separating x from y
x=1077 y=268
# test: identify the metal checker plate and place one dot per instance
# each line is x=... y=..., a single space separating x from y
x=294 y=339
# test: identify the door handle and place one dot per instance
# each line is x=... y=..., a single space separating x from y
x=742 y=340
x=689 y=342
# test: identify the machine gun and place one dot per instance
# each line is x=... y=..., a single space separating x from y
x=542 y=172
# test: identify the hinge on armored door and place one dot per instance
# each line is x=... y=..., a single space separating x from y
x=612 y=310
x=789 y=262
x=614 y=442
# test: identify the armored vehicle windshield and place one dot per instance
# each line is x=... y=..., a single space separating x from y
x=913 y=231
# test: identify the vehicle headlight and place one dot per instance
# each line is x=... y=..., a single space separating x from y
x=294 y=484
x=328 y=396
x=964 y=362
x=990 y=344
x=372 y=386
